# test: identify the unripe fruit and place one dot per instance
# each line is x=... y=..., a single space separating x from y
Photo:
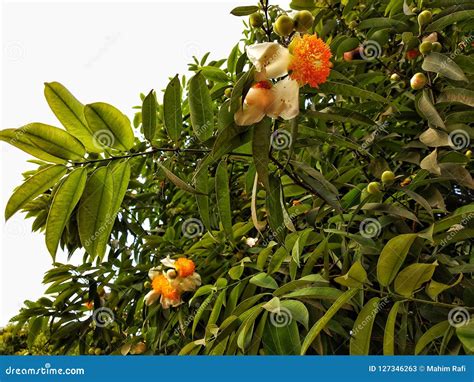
x=303 y=21
x=228 y=92
x=394 y=77
x=436 y=47
x=256 y=20
x=91 y=351
x=424 y=18
x=283 y=25
x=373 y=188
x=98 y=351
x=388 y=177
x=418 y=81
x=425 y=47
x=147 y=285
x=468 y=154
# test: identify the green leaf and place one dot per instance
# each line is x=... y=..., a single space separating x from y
x=318 y=183
x=430 y=335
x=223 y=199
x=177 y=181
x=355 y=277
x=435 y=288
x=389 y=333
x=428 y=111
x=65 y=199
x=35 y=185
x=214 y=74
x=264 y=281
x=318 y=293
x=281 y=338
x=441 y=64
x=261 y=150
x=111 y=128
x=341 y=115
x=331 y=87
x=70 y=112
x=457 y=95
x=94 y=212
x=120 y=174
x=38 y=138
x=241 y=88
x=451 y=18
x=202 y=199
x=298 y=311
x=381 y=22
x=465 y=334
x=300 y=5
x=392 y=257
x=244 y=11
x=413 y=277
x=149 y=107
x=274 y=208
x=362 y=330
x=324 y=320
x=200 y=108
x=172 y=110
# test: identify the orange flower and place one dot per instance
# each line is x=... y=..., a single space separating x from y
x=159 y=282
x=310 y=63
x=170 y=293
x=185 y=267
x=89 y=305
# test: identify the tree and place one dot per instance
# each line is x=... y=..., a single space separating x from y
x=319 y=205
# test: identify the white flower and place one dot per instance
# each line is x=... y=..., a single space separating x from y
x=286 y=102
x=270 y=59
x=251 y=241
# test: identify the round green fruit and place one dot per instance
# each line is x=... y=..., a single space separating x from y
x=425 y=47
x=388 y=177
x=424 y=18
x=98 y=351
x=228 y=92
x=256 y=20
x=303 y=21
x=373 y=188
x=418 y=81
x=283 y=25
x=436 y=47
x=147 y=285
x=468 y=154
x=394 y=77
x=91 y=351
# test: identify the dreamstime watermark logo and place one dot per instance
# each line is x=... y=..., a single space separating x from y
x=370 y=50
x=192 y=228
x=108 y=43
x=370 y=228
x=103 y=138
x=459 y=139
x=103 y=317
x=192 y=49
x=380 y=129
x=45 y=370
x=191 y=317
x=456 y=228
x=14 y=51
x=110 y=219
x=280 y=317
x=370 y=317
x=458 y=317
x=281 y=139
x=461 y=46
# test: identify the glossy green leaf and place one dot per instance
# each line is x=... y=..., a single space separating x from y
x=32 y=187
x=442 y=64
x=200 y=108
x=65 y=200
x=214 y=74
x=244 y=10
x=465 y=334
x=94 y=212
x=324 y=320
x=413 y=277
x=70 y=112
x=176 y=180
x=449 y=19
x=149 y=107
x=354 y=278
x=435 y=288
x=331 y=87
x=111 y=128
x=281 y=336
x=264 y=281
x=261 y=150
x=172 y=110
x=392 y=257
x=430 y=335
x=274 y=208
x=389 y=333
x=362 y=330
x=428 y=111
x=223 y=199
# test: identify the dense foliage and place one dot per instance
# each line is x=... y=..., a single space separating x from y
x=301 y=244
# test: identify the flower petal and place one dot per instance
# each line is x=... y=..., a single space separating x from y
x=269 y=58
x=153 y=272
x=286 y=104
x=151 y=297
x=168 y=262
x=248 y=115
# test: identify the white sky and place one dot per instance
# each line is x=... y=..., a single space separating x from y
x=108 y=51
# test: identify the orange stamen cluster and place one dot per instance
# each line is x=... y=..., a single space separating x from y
x=310 y=63
x=262 y=85
x=185 y=267
x=161 y=285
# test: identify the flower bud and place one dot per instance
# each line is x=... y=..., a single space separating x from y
x=388 y=177
x=424 y=18
x=425 y=47
x=418 y=81
x=373 y=188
